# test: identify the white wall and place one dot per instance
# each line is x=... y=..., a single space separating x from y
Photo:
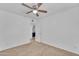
x=14 y=30
x=62 y=30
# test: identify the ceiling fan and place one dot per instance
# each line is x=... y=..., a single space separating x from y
x=34 y=9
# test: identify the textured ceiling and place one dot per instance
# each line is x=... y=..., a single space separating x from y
x=52 y=8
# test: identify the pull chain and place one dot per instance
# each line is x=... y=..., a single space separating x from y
x=33 y=30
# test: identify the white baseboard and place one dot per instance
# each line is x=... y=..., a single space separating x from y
x=59 y=47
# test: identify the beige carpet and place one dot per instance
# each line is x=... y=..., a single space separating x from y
x=36 y=49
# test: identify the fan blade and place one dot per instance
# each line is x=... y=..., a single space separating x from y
x=28 y=12
x=27 y=6
x=44 y=11
x=37 y=14
x=39 y=4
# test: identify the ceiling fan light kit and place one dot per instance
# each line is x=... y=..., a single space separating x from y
x=35 y=11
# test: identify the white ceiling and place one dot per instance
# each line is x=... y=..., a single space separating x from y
x=52 y=8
